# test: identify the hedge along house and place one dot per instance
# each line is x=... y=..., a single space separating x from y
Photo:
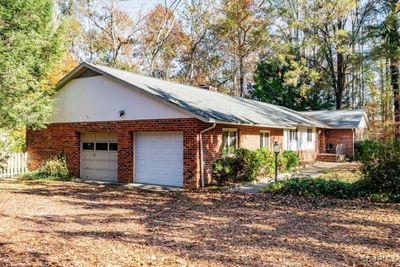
x=114 y=125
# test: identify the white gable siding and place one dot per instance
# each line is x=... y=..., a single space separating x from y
x=100 y=99
x=363 y=123
x=301 y=143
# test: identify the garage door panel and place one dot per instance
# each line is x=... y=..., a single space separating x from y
x=113 y=156
x=159 y=158
x=98 y=162
x=102 y=156
x=97 y=165
x=86 y=155
x=102 y=137
x=88 y=137
x=113 y=166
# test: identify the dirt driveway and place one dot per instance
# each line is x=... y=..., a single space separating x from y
x=73 y=224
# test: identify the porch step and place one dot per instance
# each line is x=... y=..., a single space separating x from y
x=326 y=157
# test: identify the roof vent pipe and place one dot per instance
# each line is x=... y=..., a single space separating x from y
x=202 y=154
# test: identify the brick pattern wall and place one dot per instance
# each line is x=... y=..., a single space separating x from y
x=340 y=136
x=249 y=137
x=64 y=138
x=321 y=140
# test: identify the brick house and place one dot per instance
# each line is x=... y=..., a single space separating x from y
x=114 y=125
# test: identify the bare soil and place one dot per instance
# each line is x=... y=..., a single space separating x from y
x=72 y=224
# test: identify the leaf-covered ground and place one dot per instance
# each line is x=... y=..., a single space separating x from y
x=72 y=224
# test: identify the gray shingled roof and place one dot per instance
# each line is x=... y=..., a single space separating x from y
x=344 y=119
x=206 y=105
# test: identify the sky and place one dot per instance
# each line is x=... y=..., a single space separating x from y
x=134 y=7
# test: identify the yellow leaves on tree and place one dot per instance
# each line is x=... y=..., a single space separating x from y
x=59 y=70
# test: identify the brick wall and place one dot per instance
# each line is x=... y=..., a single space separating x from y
x=64 y=138
x=340 y=136
x=249 y=137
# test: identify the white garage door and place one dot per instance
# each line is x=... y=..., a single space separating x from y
x=99 y=156
x=159 y=158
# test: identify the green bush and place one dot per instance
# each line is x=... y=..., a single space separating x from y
x=367 y=149
x=312 y=187
x=247 y=165
x=292 y=160
x=308 y=187
x=54 y=169
x=222 y=171
x=267 y=161
x=381 y=167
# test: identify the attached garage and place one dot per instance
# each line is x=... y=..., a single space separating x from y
x=99 y=156
x=159 y=158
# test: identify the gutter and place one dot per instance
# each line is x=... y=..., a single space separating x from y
x=202 y=164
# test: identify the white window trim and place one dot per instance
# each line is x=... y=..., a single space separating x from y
x=269 y=139
x=237 y=140
x=290 y=135
x=312 y=132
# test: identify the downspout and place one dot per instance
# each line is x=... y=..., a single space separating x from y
x=353 y=142
x=202 y=153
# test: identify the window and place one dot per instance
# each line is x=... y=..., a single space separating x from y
x=88 y=146
x=113 y=147
x=292 y=135
x=309 y=135
x=101 y=146
x=264 y=140
x=229 y=142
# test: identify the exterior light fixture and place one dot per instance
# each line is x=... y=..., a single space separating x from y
x=276 y=152
x=122 y=113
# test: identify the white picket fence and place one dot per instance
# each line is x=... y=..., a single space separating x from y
x=17 y=164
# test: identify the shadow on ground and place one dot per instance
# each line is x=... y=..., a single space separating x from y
x=215 y=228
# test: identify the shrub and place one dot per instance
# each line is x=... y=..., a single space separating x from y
x=292 y=160
x=246 y=164
x=222 y=171
x=53 y=169
x=381 y=167
x=267 y=161
x=312 y=187
x=367 y=149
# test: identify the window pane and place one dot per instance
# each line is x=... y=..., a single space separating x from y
x=309 y=135
x=88 y=146
x=232 y=141
x=113 y=146
x=262 y=140
x=293 y=135
x=225 y=143
x=229 y=142
x=101 y=146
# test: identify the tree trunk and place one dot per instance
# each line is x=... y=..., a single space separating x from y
x=341 y=81
x=394 y=77
x=241 y=77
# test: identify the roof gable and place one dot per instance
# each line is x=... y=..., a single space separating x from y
x=341 y=119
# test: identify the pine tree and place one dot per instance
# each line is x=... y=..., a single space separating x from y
x=29 y=44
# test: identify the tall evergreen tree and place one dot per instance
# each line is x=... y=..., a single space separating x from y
x=29 y=43
x=271 y=87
